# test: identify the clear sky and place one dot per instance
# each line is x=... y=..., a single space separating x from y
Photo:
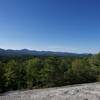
x=55 y=25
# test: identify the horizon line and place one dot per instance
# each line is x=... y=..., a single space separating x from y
x=49 y=51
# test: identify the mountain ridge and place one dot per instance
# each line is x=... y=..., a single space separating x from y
x=10 y=52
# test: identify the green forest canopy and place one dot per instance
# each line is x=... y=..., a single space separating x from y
x=29 y=72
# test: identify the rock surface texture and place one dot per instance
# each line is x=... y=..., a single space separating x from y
x=74 y=92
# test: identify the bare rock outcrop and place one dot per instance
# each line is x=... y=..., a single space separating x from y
x=75 y=92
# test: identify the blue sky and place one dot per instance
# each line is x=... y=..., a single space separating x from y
x=54 y=25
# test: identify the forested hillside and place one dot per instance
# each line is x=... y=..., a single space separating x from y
x=27 y=72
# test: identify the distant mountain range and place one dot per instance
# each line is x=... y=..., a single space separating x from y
x=22 y=52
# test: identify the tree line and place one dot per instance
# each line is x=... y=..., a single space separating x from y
x=37 y=72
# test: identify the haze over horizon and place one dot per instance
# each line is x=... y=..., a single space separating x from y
x=50 y=25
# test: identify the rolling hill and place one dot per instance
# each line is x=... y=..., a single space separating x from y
x=22 y=52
